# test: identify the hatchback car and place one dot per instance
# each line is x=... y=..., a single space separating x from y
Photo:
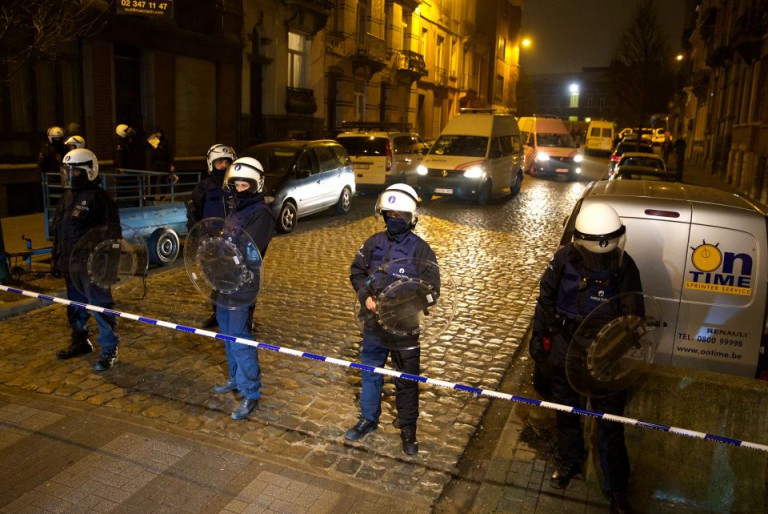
x=628 y=146
x=382 y=156
x=304 y=177
x=633 y=165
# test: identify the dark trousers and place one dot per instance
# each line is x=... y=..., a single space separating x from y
x=374 y=353
x=81 y=289
x=242 y=359
x=610 y=435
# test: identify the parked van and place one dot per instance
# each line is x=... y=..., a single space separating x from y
x=703 y=254
x=478 y=153
x=600 y=136
x=382 y=153
x=548 y=147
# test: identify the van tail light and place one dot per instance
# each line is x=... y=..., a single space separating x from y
x=615 y=158
x=389 y=157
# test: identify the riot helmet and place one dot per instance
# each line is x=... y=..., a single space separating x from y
x=124 y=131
x=219 y=152
x=80 y=166
x=55 y=134
x=74 y=142
x=599 y=236
x=400 y=200
x=244 y=170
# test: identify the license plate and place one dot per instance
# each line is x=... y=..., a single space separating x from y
x=440 y=190
x=362 y=166
x=561 y=170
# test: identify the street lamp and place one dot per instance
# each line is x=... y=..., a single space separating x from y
x=526 y=42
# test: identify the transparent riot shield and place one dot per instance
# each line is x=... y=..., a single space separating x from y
x=614 y=345
x=415 y=301
x=223 y=263
x=113 y=257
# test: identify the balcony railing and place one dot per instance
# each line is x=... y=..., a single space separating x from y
x=411 y=64
x=300 y=101
x=441 y=77
x=368 y=45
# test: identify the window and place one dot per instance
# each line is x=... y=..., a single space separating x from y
x=298 y=51
x=500 y=51
x=498 y=92
x=328 y=160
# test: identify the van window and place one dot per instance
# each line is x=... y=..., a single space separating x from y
x=506 y=145
x=554 y=140
x=466 y=146
x=365 y=145
x=403 y=144
x=495 y=150
x=515 y=144
x=607 y=132
x=595 y=132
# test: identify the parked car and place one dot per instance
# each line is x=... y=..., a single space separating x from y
x=382 y=153
x=633 y=165
x=628 y=146
x=304 y=177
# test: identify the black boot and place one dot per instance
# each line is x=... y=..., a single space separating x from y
x=106 y=361
x=408 y=436
x=620 y=504
x=80 y=346
x=562 y=477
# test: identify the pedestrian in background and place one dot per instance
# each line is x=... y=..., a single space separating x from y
x=125 y=156
x=246 y=211
x=51 y=154
x=160 y=160
x=581 y=276
x=84 y=206
x=666 y=147
x=680 y=146
x=207 y=200
x=397 y=205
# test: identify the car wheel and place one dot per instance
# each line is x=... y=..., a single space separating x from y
x=163 y=246
x=286 y=221
x=484 y=195
x=345 y=201
x=517 y=183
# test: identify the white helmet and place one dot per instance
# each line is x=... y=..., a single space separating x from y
x=599 y=229
x=55 y=133
x=75 y=142
x=81 y=158
x=245 y=169
x=219 y=151
x=124 y=130
x=401 y=198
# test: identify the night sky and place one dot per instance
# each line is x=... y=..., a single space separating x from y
x=572 y=34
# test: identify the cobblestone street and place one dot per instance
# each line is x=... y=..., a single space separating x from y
x=495 y=254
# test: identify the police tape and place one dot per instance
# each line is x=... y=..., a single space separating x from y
x=397 y=374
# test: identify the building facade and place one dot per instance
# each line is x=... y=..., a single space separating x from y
x=244 y=71
x=724 y=111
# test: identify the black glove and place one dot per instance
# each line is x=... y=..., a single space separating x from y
x=540 y=347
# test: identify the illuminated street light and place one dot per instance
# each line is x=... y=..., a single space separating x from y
x=679 y=57
x=526 y=42
x=574 y=89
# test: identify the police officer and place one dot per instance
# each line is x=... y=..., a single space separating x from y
x=74 y=142
x=582 y=275
x=83 y=207
x=125 y=155
x=247 y=211
x=52 y=153
x=207 y=201
x=397 y=205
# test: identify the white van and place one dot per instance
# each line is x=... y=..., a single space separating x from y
x=703 y=254
x=478 y=153
x=548 y=147
x=600 y=136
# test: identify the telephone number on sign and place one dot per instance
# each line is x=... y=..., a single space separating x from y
x=141 y=4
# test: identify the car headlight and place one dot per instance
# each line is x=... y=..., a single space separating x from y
x=578 y=157
x=474 y=172
x=269 y=199
x=422 y=170
x=542 y=157
x=577 y=170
